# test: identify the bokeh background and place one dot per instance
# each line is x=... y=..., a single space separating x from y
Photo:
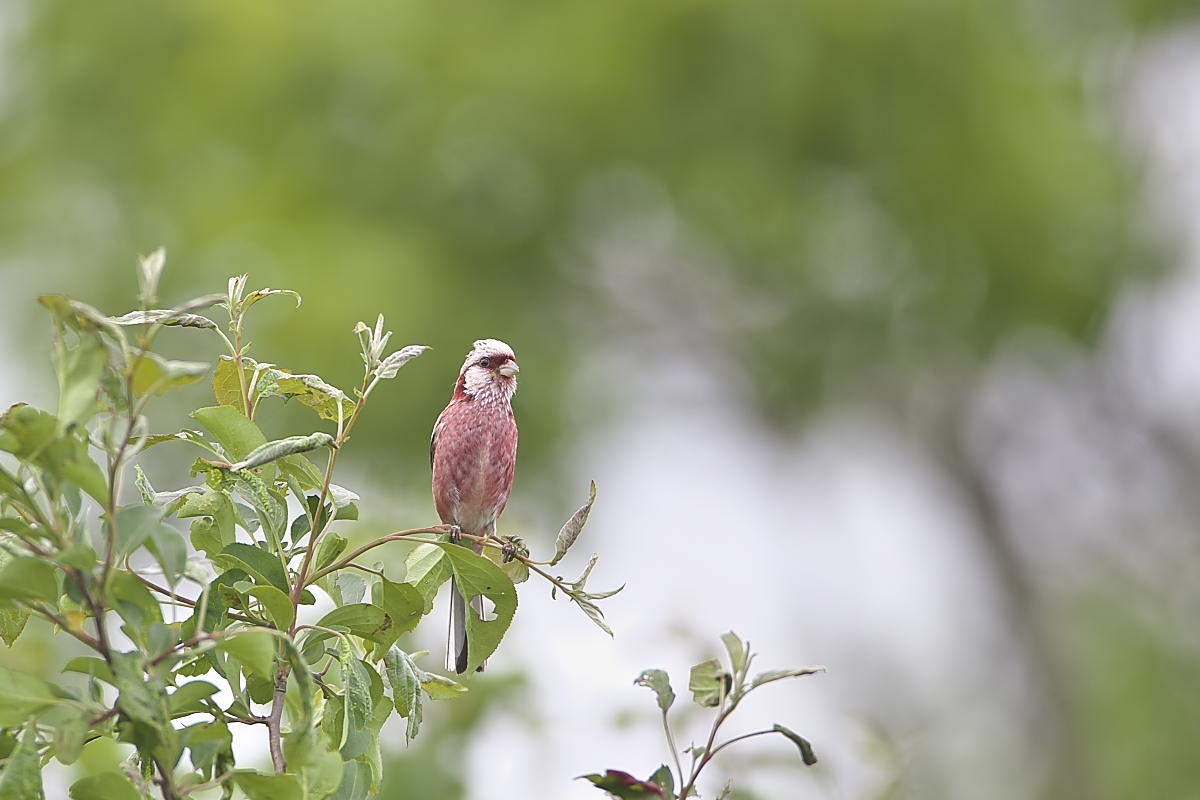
x=875 y=322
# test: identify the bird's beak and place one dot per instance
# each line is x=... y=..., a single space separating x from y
x=509 y=369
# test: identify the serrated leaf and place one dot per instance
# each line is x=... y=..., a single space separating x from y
x=403 y=677
x=392 y=364
x=167 y=546
x=356 y=679
x=709 y=683
x=806 y=751
x=163 y=316
x=12 y=623
x=280 y=448
x=427 y=568
x=573 y=527
x=476 y=575
x=657 y=681
x=22 y=776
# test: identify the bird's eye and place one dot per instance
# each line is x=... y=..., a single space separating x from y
x=485 y=362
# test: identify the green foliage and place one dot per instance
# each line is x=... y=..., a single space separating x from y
x=72 y=553
x=712 y=686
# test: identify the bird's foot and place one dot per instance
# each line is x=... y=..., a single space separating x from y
x=455 y=534
x=511 y=547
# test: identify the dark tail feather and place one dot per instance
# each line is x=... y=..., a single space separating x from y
x=456 y=648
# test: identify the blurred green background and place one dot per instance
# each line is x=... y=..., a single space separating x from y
x=813 y=205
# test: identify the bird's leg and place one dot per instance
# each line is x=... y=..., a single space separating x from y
x=455 y=534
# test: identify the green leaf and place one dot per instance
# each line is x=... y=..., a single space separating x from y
x=33 y=436
x=259 y=786
x=142 y=698
x=329 y=549
x=737 y=651
x=356 y=782
x=79 y=371
x=362 y=619
x=264 y=567
x=780 y=674
x=208 y=743
x=23 y=696
x=29 y=579
x=299 y=467
x=104 y=786
x=255 y=649
x=663 y=778
x=439 y=687
x=69 y=733
x=403 y=603
x=168 y=548
x=133 y=602
x=238 y=435
x=134 y=525
x=156 y=375
x=163 y=316
x=280 y=448
x=806 y=751
x=623 y=785
x=573 y=527
x=516 y=569
x=477 y=576
x=321 y=773
x=89 y=665
x=657 y=681
x=254 y=297
x=709 y=683
x=277 y=604
x=404 y=677
x=357 y=682
x=427 y=568
x=391 y=365
x=12 y=623
x=226 y=387
x=187 y=698
x=22 y=776
x=314 y=392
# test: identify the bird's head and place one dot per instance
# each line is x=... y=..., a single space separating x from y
x=490 y=371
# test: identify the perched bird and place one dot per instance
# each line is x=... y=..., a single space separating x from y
x=474 y=454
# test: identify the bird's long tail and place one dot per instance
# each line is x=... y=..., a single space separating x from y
x=456 y=648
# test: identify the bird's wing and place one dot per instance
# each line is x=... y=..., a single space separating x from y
x=437 y=429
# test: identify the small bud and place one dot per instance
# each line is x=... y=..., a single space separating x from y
x=151 y=269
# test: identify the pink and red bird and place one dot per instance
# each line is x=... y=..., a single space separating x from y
x=474 y=456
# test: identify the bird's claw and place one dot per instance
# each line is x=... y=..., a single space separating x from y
x=455 y=534
x=511 y=547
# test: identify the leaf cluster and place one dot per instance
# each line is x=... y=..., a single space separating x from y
x=210 y=585
x=713 y=686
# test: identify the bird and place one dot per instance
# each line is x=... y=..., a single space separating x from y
x=473 y=455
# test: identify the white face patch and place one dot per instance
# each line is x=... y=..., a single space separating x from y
x=481 y=382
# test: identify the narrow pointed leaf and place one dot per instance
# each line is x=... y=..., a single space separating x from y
x=573 y=527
